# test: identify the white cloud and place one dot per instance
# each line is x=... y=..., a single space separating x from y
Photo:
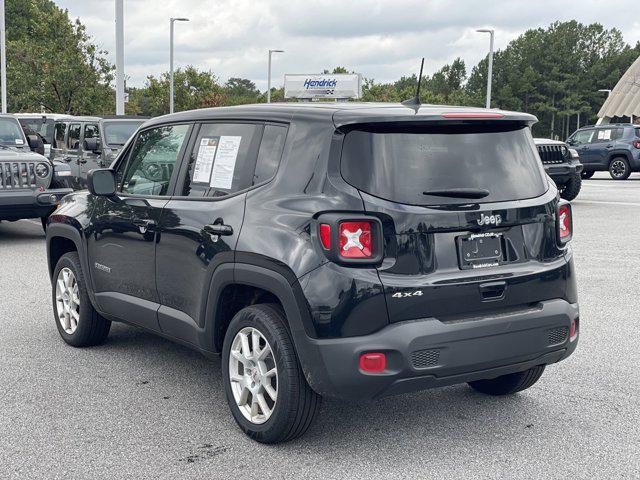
x=380 y=39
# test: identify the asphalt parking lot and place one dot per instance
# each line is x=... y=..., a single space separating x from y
x=142 y=407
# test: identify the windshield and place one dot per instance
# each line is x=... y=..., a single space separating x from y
x=410 y=164
x=39 y=125
x=11 y=133
x=117 y=133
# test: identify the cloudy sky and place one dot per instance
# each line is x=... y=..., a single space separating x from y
x=380 y=39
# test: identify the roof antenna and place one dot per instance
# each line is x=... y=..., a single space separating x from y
x=415 y=101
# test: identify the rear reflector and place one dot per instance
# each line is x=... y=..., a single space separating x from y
x=325 y=235
x=472 y=115
x=355 y=240
x=373 y=362
x=565 y=223
x=636 y=144
x=573 y=331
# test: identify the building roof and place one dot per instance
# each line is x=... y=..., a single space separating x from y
x=624 y=99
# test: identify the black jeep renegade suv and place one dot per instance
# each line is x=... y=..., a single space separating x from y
x=348 y=250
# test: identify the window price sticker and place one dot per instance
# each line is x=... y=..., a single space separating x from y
x=225 y=162
x=204 y=159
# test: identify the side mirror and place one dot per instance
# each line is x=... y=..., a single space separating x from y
x=35 y=144
x=92 y=145
x=571 y=141
x=102 y=182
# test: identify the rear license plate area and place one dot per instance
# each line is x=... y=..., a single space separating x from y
x=480 y=250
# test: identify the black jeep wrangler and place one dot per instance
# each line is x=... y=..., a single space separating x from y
x=562 y=164
x=347 y=250
x=29 y=186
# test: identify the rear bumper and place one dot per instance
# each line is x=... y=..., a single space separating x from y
x=17 y=204
x=429 y=353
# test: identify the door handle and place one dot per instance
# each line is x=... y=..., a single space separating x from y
x=609 y=146
x=218 y=229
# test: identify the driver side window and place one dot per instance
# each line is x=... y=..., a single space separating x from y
x=153 y=160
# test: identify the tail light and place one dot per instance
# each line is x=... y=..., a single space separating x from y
x=564 y=223
x=636 y=144
x=355 y=239
x=350 y=240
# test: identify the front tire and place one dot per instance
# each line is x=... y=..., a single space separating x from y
x=77 y=321
x=619 y=168
x=571 y=189
x=509 y=384
x=265 y=387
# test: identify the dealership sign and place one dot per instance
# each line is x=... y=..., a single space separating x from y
x=323 y=86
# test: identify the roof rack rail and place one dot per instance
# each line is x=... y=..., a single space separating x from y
x=604 y=125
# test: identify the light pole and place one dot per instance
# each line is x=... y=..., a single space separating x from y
x=490 y=70
x=269 y=74
x=119 y=57
x=171 y=20
x=3 y=58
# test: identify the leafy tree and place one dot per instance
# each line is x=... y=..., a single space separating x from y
x=52 y=63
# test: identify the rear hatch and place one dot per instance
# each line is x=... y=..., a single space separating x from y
x=468 y=216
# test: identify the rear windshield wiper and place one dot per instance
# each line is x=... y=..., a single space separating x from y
x=459 y=193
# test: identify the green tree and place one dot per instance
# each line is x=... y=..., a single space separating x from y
x=52 y=63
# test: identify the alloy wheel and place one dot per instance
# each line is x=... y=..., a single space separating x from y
x=618 y=168
x=67 y=300
x=253 y=375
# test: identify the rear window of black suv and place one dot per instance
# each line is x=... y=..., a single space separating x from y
x=400 y=162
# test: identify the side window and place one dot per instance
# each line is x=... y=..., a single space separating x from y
x=603 y=135
x=73 y=140
x=153 y=159
x=270 y=153
x=582 y=137
x=617 y=133
x=60 y=130
x=91 y=131
x=223 y=159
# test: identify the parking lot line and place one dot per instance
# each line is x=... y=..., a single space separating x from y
x=597 y=202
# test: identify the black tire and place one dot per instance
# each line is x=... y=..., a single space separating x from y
x=44 y=223
x=297 y=404
x=571 y=189
x=586 y=174
x=619 y=168
x=92 y=329
x=509 y=384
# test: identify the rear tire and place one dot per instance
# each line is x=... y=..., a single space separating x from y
x=77 y=321
x=509 y=384
x=571 y=189
x=586 y=174
x=44 y=223
x=295 y=405
x=619 y=168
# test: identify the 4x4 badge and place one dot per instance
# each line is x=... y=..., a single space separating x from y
x=489 y=219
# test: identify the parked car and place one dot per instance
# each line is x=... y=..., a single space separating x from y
x=42 y=124
x=86 y=143
x=613 y=147
x=562 y=164
x=346 y=250
x=27 y=181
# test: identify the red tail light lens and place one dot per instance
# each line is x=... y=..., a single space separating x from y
x=355 y=240
x=573 y=331
x=325 y=235
x=636 y=144
x=565 y=223
x=373 y=362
